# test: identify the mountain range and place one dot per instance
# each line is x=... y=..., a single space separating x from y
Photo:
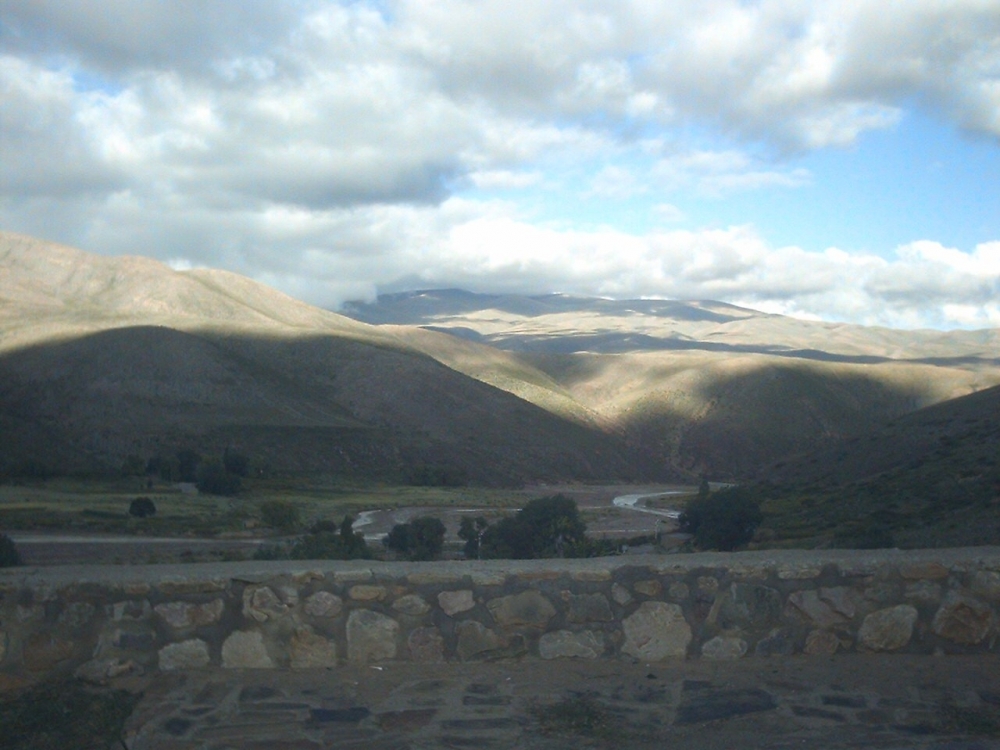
x=102 y=358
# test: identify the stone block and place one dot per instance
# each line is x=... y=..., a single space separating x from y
x=620 y=594
x=433 y=577
x=986 y=585
x=191 y=654
x=179 y=585
x=649 y=587
x=565 y=644
x=311 y=651
x=840 y=599
x=587 y=607
x=888 y=629
x=488 y=578
x=821 y=642
x=130 y=609
x=745 y=605
x=181 y=615
x=245 y=649
x=411 y=604
x=260 y=603
x=708 y=584
x=924 y=571
x=324 y=604
x=656 y=630
x=453 y=602
x=426 y=645
x=963 y=619
x=595 y=576
x=724 y=647
x=474 y=638
x=43 y=651
x=367 y=593
x=529 y=609
x=371 y=636
x=808 y=604
x=923 y=592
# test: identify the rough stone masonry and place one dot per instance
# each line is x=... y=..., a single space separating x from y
x=103 y=621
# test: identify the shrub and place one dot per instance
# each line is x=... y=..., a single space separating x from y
x=546 y=527
x=421 y=539
x=472 y=530
x=9 y=556
x=723 y=521
x=142 y=507
x=324 y=543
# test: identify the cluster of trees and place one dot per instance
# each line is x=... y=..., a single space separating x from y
x=723 y=520
x=215 y=476
x=323 y=541
x=420 y=539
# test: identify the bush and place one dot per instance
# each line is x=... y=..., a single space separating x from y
x=472 y=530
x=723 y=521
x=421 y=539
x=142 y=507
x=279 y=514
x=324 y=543
x=9 y=556
x=546 y=527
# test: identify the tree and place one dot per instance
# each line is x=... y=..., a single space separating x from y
x=279 y=514
x=9 y=556
x=214 y=479
x=472 y=530
x=421 y=539
x=142 y=507
x=545 y=527
x=723 y=521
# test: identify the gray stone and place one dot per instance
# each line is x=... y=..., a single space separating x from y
x=371 y=636
x=181 y=615
x=130 y=609
x=311 y=651
x=453 y=602
x=529 y=609
x=245 y=649
x=809 y=604
x=986 y=584
x=678 y=590
x=745 y=605
x=563 y=644
x=426 y=645
x=923 y=592
x=587 y=608
x=649 y=587
x=261 y=604
x=820 y=643
x=324 y=604
x=708 y=584
x=888 y=629
x=364 y=592
x=840 y=599
x=76 y=614
x=724 y=647
x=620 y=594
x=474 y=638
x=411 y=604
x=656 y=630
x=192 y=654
x=963 y=619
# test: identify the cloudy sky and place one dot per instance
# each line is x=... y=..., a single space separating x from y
x=829 y=160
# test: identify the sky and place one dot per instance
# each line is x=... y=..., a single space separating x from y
x=832 y=161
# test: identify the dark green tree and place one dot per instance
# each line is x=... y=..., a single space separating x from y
x=420 y=539
x=722 y=521
x=9 y=556
x=142 y=507
x=214 y=479
x=280 y=514
x=471 y=531
x=545 y=527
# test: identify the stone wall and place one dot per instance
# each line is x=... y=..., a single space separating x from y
x=107 y=620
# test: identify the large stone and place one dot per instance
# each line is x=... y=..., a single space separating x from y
x=809 y=604
x=820 y=643
x=371 y=636
x=620 y=594
x=192 y=654
x=724 y=647
x=261 y=604
x=840 y=599
x=426 y=645
x=324 y=604
x=245 y=649
x=587 y=608
x=453 y=602
x=182 y=615
x=986 y=584
x=311 y=651
x=563 y=644
x=923 y=592
x=43 y=651
x=411 y=604
x=888 y=629
x=649 y=587
x=656 y=630
x=962 y=619
x=364 y=592
x=529 y=609
x=745 y=605
x=474 y=638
